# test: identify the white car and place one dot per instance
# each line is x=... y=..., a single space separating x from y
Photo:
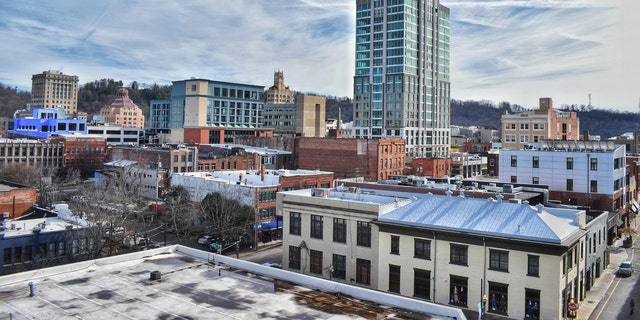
x=205 y=240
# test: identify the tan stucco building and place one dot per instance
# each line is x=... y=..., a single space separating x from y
x=522 y=128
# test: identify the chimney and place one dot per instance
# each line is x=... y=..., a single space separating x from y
x=262 y=173
x=585 y=135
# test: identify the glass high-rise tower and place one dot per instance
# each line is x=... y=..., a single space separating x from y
x=401 y=83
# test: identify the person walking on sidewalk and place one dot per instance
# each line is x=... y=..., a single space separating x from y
x=632 y=306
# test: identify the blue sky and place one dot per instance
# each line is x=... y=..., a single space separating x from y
x=501 y=50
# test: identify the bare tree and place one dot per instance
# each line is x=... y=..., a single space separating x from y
x=114 y=210
x=179 y=211
x=225 y=218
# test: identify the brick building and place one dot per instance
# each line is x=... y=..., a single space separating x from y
x=431 y=167
x=213 y=158
x=84 y=153
x=16 y=200
x=373 y=159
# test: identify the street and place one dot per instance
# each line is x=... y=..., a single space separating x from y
x=616 y=303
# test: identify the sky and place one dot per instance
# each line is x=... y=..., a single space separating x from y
x=574 y=51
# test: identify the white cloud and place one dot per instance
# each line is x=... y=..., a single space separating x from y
x=513 y=51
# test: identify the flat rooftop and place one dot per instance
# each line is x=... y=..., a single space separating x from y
x=186 y=284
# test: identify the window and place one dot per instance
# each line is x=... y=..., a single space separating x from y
x=394 y=278
x=6 y=256
x=594 y=185
x=17 y=255
x=295 y=223
x=339 y=266
x=594 y=164
x=422 y=249
x=364 y=234
x=524 y=126
x=514 y=161
x=316 y=226
x=532 y=303
x=421 y=283
x=536 y=162
x=28 y=253
x=315 y=265
x=514 y=179
x=294 y=257
x=569 y=184
x=533 y=265
x=363 y=271
x=499 y=260
x=339 y=230
x=535 y=180
x=569 y=163
x=458 y=291
x=458 y=254
x=498 y=297
x=395 y=245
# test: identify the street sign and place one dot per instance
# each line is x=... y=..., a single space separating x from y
x=573 y=307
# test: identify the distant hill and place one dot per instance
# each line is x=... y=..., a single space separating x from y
x=605 y=123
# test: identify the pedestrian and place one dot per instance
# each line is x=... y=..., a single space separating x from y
x=632 y=306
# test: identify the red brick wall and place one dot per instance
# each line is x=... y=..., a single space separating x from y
x=302 y=181
x=436 y=168
x=18 y=201
x=350 y=158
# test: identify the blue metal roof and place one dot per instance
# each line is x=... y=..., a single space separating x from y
x=486 y=217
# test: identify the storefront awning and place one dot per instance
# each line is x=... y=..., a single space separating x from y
x=270 y=225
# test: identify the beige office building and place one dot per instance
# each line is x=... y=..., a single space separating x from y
x=53 y=89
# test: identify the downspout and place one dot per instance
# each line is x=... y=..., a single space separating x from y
x=435 y=256
x=483 y=284
x=566 y=283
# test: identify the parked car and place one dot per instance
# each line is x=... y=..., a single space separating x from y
x=272 y=265
x=205 y=239
x=625 y=269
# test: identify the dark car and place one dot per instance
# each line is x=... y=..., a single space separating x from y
x=625 y=269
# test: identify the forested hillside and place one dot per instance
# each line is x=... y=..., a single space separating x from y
x=12 y=99
x=605 y=123
x=94 y=95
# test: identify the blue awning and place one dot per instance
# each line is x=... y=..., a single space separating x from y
x=270 y=225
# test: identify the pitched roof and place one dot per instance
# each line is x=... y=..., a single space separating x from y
x=487 y=217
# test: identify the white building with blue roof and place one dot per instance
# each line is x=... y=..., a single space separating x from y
x=528 y=261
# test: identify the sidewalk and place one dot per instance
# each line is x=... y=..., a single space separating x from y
x=598 y=293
